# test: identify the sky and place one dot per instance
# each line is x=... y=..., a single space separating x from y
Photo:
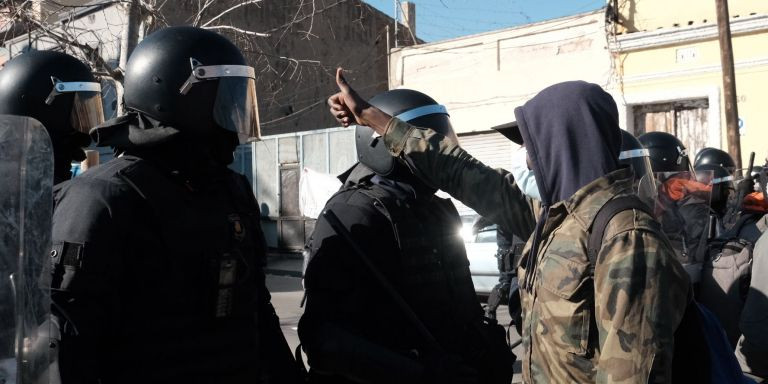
x=446 y=19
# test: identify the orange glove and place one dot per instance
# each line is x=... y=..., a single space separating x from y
x=755 y=202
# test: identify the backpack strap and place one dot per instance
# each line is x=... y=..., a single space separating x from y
x=603 y=217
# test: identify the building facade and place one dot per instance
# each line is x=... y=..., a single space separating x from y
x=482 y=78
x=667 y=55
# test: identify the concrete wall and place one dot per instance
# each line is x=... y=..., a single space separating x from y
x=296 y=63
x=482 y=78
x=103 y=26
x=97 y=26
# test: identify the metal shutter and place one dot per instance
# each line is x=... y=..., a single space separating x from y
x=492 y=149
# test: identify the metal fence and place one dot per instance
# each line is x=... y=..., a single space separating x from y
x=274 y=167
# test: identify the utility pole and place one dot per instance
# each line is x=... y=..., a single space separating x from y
x=130 y=36
x=389 y=68
x=729 y=81
x=397 y=20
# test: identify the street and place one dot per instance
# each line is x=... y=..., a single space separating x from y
x=287 y=293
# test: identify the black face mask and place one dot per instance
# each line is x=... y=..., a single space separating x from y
x=222 y=147
x=719 y=203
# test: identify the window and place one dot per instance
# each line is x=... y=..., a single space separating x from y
x=686 y=119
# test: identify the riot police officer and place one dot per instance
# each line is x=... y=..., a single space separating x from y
x=716 y=167
x=682 y=202
x=410 y=237
x=59 y=91
x=158 y=255
x=721 y=181
x=740 y=221
x=752 y=346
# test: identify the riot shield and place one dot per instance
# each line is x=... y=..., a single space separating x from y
x=682 y=208
x=26 y=204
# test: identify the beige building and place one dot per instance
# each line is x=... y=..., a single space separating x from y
x=482 y=78
x=667 y=57
x=659 y=59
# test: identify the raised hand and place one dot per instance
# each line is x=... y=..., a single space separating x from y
x=349 y=108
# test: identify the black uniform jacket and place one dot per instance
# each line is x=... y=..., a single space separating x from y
x=351 y=330
x=157 y=277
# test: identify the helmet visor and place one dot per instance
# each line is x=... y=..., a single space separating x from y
x=87 y=111
x=236 y=108
x=644 y=180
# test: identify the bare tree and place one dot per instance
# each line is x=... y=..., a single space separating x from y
x=292 y=80
x=103 y=33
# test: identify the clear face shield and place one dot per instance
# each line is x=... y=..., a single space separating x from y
x=723 y=186
x=644 y=183
x=236 y=107
x=87 y=110
x=683 y=207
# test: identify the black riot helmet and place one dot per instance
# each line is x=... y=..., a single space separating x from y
x=59 y=91
x=54 y=88
x=721 y=180
x=407 y=105
x=667 y=153
x=194 y=80
x=714 y=156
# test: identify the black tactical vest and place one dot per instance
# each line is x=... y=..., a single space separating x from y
x=433 y=271
x=187 y=303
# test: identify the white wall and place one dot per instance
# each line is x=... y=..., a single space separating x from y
x=482 y=78
x=101 y=28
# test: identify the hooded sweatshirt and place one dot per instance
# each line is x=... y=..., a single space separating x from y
x=572 y=144
x=568 y=146
x=635 y=295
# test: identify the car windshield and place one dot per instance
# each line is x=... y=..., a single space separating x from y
x=486 y=236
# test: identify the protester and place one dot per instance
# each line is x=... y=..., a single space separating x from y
x=614 y=323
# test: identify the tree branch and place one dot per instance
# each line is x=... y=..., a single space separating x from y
x=236 y=6
x=200 y=12
x=239 y=30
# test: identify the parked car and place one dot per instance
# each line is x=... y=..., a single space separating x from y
x=481 y=252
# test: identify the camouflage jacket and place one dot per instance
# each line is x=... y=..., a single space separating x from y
x=616 y=326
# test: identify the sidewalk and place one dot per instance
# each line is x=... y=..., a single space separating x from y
x=284 y=263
